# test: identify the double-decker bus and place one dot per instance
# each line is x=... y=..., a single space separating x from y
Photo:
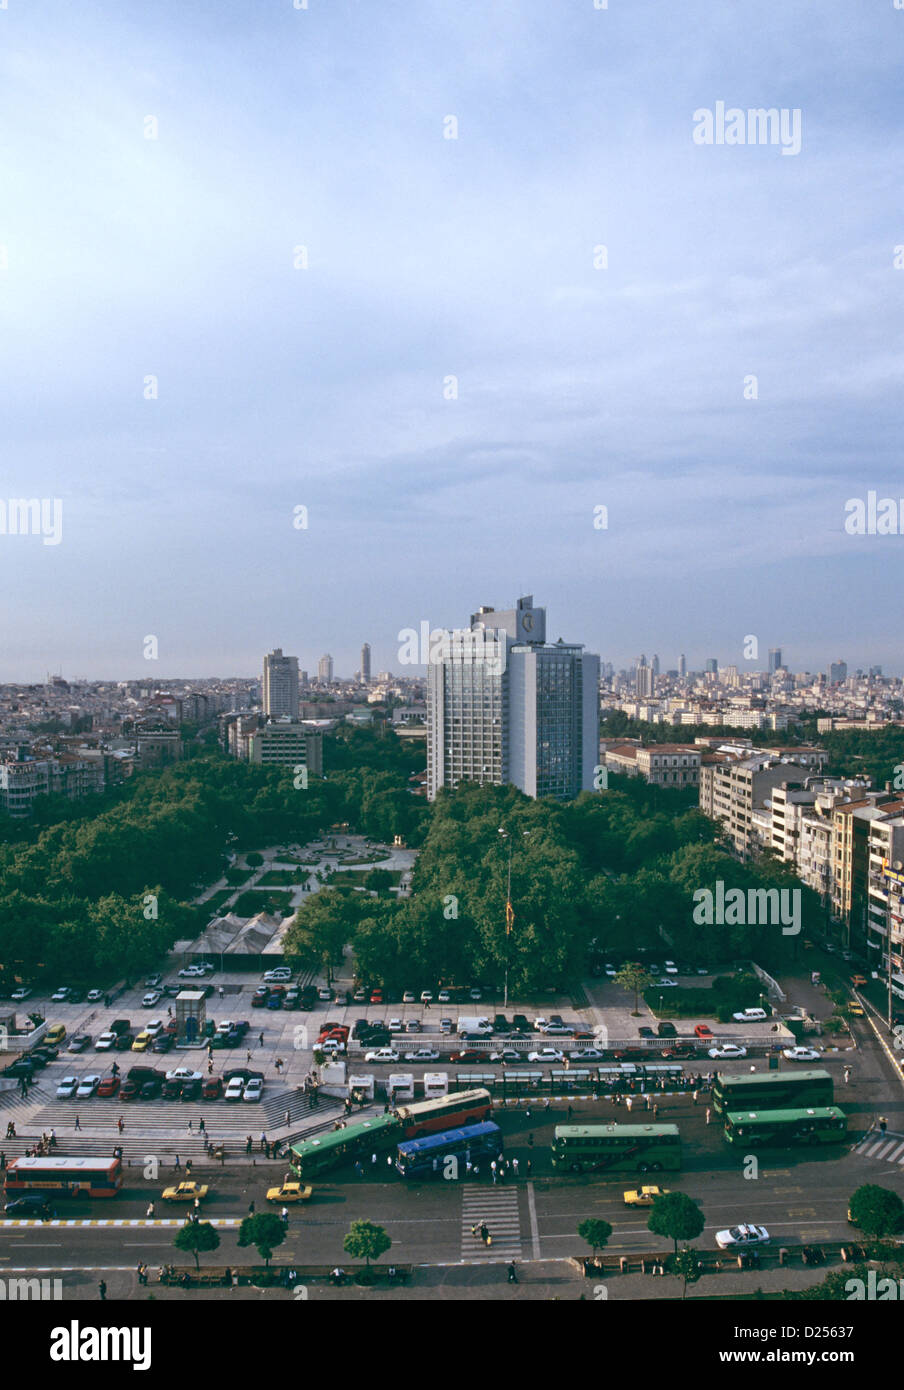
x=445 y=1112
x=316 y=1155
x=429 y=1157
x=780 y=1129
x=616 y=1148
x=66 y=1177
x=772 y=1090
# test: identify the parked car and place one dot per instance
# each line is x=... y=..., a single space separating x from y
x=671 y=968
x=123 y=1042
x=742 y=1237
x=105 y=1042
x=643 y=1196
x=149 y=1000
x=546 y=1054
x=142 y=1041
x=423 y=1054
x=151 y=1088
x=610 y=971
x=19 y=994
x=191 y=1090
x=185 y=1192
x=426 y=996
x=800 y=1054
x=444 y=997
x=467 y=1055
x=666 y=983
x=61 y=995
x=326 y=994
x=727 y=1050
x=360 y=996
x=521 y=1023
x=153 y=981
x=395 y=1025
x=94 y=996
x=108 y=1086
x=412 y=1025
x=646 y=1032
x=234 y=1089
x=79 y=1042
x=376 y=996
x=191 y=972
x=408 y=997
x=67 y=1087
x=666 y=1030
x=587 y=1054
x=446 y=1025
x=474 y=994
x=154 y=1026
x=703 y=1030
x=278 y=973
x=508 y=1054
x=750 y=1016
x=183 y=1074
x=87 y=1086
x=164 y=1041
x=212 y=1088
x=382 y=1054
x=131 y=1088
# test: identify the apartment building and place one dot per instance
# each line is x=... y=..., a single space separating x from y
x=286 y=743
x=851 y=824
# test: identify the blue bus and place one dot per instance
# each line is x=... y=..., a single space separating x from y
x=428 y=1157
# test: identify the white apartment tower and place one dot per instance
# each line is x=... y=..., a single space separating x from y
x=325 y=670
x=506 y=706
x=280 y=685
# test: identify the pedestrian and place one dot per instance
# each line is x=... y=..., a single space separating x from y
x=527 y=1113
x=530 y=1167
x=210 y=1067
x=696 y=1097
x=120 y=1124
x=248 y=1055
x=138 y=1272
x=263 y=1142
x=285 y=1216
x=150 y=1211
x=883 y=1123
x=196 y=1204
x=493 y=1171
x=102 y=1290
x=629 y=1103
x=189 y=1127
x=260 y=1040
x=202 y=1126
x=515 y=1167
x=78 y=1124
x=389 y=1162
x=188 y=1167
x=546 y=1104
x=709 y=1115
x=570 y=1113
x=248 y=1144
x=359 y=1168
x=373 y=1160
x=287 y=1120
x=655 y=1112
x=530 y=1141
x=177 y=1164
x=847 y=1076
x=250 y=1208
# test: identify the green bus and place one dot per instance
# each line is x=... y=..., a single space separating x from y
x=771 y=1090
x=313 y=1156
x=781 y=1129
x=616 y=1148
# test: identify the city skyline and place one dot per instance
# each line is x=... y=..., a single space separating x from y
x=322 y=318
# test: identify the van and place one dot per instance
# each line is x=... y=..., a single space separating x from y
x=55 y=1034
x=471 y=1026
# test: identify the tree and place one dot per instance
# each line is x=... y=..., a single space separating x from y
x=265 y=1230
x=595 y=1232
x=686 y=1263
x=676 y=1217
x=876 y=1210
x=365 y=1241
x=634 y=976
x=254 y=860
x=196 y=1237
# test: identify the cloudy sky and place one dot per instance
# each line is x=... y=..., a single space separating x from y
x=451 y=386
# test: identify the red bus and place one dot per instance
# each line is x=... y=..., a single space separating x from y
x=67 y=1177
x=453 y=1111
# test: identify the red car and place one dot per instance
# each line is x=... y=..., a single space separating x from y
x=109 y=1086
x=130 y=1089
x=703 y=1031
x=376 y=996
x=260 y=997
x=469 y=1055
x=212 y=1088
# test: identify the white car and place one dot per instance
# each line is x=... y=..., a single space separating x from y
x=546 y=1054
x=426 y=996
x=280 y=974
x=750 y=1016
x=382 y=1054
x=408 y=996
x=671 y=968
x=423 y=1054
x=253 y=1090
x=742 y=1237
x=190 y=972
x=474 y=995
x=234 y=1089
x=395 y=1025
x=61 y=995
x=800 y=1054
x=154 y=1027
x=87 y=1086
x=19 y=994
x=610 y=971
x=331 y=1046
x=444 y=997
x=587 y=1054
x=105 y=1041
x=150 y=999
x=67 y=1088
x=666 y=983
x=94 y=995
x=325 y=994
x=226 y=1026
x=727 y=1050
x=540 y=1023
x=183 y=1074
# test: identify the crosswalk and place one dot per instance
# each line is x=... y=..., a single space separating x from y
x=161 y=1127
x=498 y=1208
x=887 y=1148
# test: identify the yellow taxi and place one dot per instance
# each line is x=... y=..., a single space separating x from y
x=185 y=1192
x=290 y=1192
x=644 y=1196
x=857 y=1010
x=859 y=980
x=142 y=1042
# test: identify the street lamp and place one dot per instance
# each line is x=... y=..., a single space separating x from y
x=509 y=914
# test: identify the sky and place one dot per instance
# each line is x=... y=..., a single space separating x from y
x=445 y=376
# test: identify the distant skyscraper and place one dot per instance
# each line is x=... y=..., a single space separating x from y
x=365 y=663
x=325 y=670
x=655 y=664
x=712 y=666
x=644 y=682
x=505 y=706
x=682 y=666
x=279 y=690
x=775 y=659
x=837 y=672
